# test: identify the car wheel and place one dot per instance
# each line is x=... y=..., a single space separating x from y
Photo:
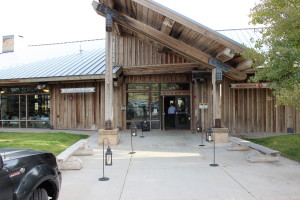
x=39 y=194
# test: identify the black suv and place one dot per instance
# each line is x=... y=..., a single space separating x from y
x=28 y=175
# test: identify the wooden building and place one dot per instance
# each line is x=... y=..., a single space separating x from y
x=167 y=58
x=153 y=57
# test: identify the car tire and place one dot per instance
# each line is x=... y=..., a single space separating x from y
x=39 y=194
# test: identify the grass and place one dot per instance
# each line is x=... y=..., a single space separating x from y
x=51 y=142
x=288 y=145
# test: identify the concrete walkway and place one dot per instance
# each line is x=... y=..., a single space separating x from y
x=171 y=166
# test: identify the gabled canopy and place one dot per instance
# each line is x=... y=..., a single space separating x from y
x=168 y=30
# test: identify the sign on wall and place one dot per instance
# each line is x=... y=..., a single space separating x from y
x=249 y=85
x=77 y=90
x=175 y=92
x=203 y=105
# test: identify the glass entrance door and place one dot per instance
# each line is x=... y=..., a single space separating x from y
x=177 y=112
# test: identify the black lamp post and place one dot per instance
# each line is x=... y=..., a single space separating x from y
x=133 y=130
x=199 y=130
x=209 y=134
x=133 y=133
x=107 y=159
x=214 y=164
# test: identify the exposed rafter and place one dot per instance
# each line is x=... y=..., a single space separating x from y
x=190 y=24
x=170 y=42
x=167 y=25
x=246 y=64
x=166 y=29
x=225 y=55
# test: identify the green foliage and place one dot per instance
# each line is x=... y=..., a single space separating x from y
x=279 y=48
x=288 y=145
x=51 y=142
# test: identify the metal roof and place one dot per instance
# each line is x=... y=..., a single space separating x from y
x=81 y=59
x=244 y=36
x=84 y=58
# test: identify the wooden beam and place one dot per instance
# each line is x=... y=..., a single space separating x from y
x=172 y=43
x=190 y=24
x=50 y=79
x=108 y=78
x=119 y=82
x=225 y=55
x=166 y=28
x=108 y=3
x=216 y=98
x=162 y=67
x=118 y=29
x=246 y=64
x=152 y=72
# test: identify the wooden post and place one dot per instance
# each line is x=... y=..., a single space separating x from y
x=111 y=134
x=216 y=100
x=108 y=78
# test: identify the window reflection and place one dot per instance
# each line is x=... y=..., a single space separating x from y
x=24 y=110
x=10 y=107
x=38 y=107
x=138 y=106
x=138 y=86
x=175 y=86
x=155 y=106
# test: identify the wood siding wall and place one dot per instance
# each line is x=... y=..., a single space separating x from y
x=82 y=110
x=202 y=93
x=130 y=51
x=253 y=111
x=75 y=111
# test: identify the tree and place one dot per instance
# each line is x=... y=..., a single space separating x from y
x=279 y=48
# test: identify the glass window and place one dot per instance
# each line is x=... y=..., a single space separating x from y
x=38 y=124
x=21 y=90
x=155 y=109
x=155 y=125
x=154 y=87
x=138 y=106
x=23 y=124
x=10 y=107
x=10 y=124
x=175 y=86
x=23 y=107
x=138 y=86
x=38 y=107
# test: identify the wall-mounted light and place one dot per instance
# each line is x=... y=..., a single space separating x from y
x=41 y=86
x=2 y=92
x=46 y=90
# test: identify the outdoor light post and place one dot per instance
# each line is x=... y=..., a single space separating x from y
x=133 y=133
x=107 y=158
x=214 y=164
x=198 y=126
x=208 y=134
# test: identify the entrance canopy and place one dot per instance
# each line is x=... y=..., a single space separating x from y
x=169 y=31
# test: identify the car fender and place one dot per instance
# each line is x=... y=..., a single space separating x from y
x=33 y=179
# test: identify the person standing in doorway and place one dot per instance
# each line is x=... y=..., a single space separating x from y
x=171 y=113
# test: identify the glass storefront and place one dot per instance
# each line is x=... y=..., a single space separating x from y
x=24 y=107
x=144 y=104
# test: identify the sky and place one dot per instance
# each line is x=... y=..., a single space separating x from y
x=51 y=21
